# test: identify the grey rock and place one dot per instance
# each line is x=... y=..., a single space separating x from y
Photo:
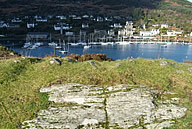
x=91 y=107
x=17 y=61
x=179 y=71
x=190 y=69
x=163 y=63
x=55 y=61
x=92 y=63
x=117 y=65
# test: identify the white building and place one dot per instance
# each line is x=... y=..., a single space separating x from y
x=85 y=16
x=164 y=26
x=191 y=34
x=30 y=25
x=2 y=25
x=155 y=25
x=69 y=33
x=111 y=32
x=16 y=20
x=153 y=32
x=41 y=20
x=174 y=33
x=61 y=17
x=85 y=25
x=117 y=25
x=99 y=19
x=129 y=28
x=62 y=26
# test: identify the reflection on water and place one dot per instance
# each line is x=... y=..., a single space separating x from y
x=154 y=51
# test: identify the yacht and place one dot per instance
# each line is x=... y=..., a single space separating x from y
x=26 y=45
x=52 y=44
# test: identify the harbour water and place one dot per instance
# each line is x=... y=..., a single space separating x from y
x=177 y=52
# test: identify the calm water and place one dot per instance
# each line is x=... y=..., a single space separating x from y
x=154 y=51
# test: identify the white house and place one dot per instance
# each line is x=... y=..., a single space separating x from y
x=164 y=26
x=111 y=32
x=99 y=19
x=62 y=26
x=174 y=33
x=85 y=16
x=69 y=33
x=117 y=25
x=77 y=18
x=2 y=25
x=153 y=32
x=16 y=20
x=108 y=19
x=41 y=20
x=129 y=28
x=61 y=17
x=85 y=25
x=155 y=25
x=145 y=33
x=30 y=25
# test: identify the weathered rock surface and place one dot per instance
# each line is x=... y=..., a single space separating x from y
x=91 y=107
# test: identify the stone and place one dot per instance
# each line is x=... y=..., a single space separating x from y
x=17 y=61
x=95 y=107
x=55 y=61
x=92 y=63
x=190 y=69
x=117 y=65
x=179 y=71
x=163 y=63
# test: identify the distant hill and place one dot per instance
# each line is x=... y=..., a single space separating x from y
x=177 y=12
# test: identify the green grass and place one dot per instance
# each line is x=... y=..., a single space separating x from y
x=20 y=99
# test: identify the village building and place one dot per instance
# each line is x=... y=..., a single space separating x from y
x=16 y=20
x=30 y=25
x=62 y=26
x=37 y=36
x=174 y=33
x=164 y=26
x=85 y=25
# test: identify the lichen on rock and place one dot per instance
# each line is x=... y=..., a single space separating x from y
x=121 y=106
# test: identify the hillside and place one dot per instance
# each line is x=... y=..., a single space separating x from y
x=173 y=12
x=22 y=78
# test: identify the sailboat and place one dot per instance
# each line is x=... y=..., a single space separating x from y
x=59 y=46
x=64 y=51
x=87 y=45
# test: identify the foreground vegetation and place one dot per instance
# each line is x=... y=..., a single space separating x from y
x=21 y=80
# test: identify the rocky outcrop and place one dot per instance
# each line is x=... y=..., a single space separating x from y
x=121 y=106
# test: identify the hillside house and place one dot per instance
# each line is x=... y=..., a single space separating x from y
x=111 y=32
x=153 y=32
x=164 y=26
x=41 y=20
x=117 y=25
x=69 y=33
x=128 y=28
x=174 y=33
x=62 y=26
x=61 y=17
x=37 y=35
x=85 y=25
x=85 y=16
x=4 y=25
x=30 y=25
x=99 y=19
x=16 y=20
x=77 y=18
